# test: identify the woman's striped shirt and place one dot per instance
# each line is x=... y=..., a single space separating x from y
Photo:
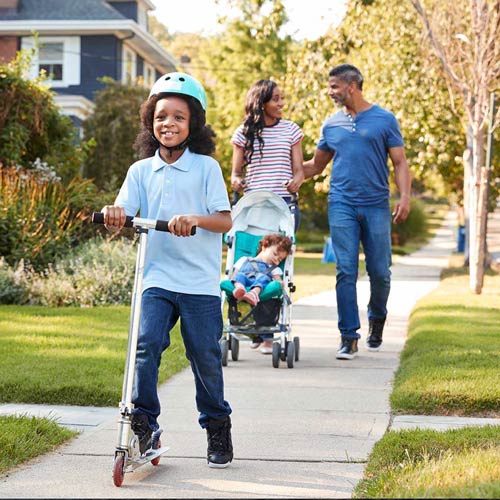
x=269 y=170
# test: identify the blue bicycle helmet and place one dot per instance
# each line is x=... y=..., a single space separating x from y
x=180 y=83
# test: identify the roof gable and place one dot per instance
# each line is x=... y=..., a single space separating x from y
x=63 y=10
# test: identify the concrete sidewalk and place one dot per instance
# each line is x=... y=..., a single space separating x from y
x=304 y=432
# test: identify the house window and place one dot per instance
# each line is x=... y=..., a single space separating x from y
x=129 y=66
x=149 y=75
x=57 y=56
x=50 y=60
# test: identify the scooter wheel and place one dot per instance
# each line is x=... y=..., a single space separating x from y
x=156 y=461
x=119 y=469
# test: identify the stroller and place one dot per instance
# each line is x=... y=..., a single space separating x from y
x=256 y=214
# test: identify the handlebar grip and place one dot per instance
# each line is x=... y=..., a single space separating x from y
x=161 y=225
x=98 y=218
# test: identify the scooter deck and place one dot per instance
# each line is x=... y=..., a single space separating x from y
x=147 y=457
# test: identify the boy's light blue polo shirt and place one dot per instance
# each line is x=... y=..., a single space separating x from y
x=192 y=185
x=360 y=175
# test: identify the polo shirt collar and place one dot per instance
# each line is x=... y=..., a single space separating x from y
x=183 y=163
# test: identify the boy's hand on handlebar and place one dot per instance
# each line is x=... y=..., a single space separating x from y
x=114 y=217
x=181 y=225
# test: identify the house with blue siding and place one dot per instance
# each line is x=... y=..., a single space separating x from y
x=79 y=41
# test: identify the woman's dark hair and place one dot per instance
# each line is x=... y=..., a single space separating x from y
x=259 y=94
x=201 y=135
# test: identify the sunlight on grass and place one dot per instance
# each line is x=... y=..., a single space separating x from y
x=69 y=355
x=461 y=463
x=450 y=361
x=22 y=438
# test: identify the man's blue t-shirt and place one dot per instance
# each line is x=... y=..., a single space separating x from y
x=360 y=175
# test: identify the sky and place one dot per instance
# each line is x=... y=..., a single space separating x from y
x=307 y=18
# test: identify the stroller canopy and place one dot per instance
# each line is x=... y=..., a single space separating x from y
x=260 y=213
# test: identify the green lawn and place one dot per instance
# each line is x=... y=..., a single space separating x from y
x=73 y=356
x=22 y=438
x=461 y=463
x=450 y=365
x=451 y=361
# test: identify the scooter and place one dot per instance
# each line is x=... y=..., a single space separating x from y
x=127 y=454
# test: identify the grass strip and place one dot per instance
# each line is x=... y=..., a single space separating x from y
x=23 y=438
x=450 y=362
x=70 y=355
x=462 y=463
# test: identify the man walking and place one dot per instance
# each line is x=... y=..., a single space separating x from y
x=360 y=137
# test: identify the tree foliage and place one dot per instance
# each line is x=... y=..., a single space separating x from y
x=249 y=49
x=465 y=36
x=31 y=125
x=113 y=128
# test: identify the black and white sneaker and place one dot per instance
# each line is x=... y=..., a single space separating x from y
x=220 y=446
x=375 y=331
x=348 y=348
x=141 y=428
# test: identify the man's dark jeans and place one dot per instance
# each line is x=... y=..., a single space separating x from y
x=370 y=225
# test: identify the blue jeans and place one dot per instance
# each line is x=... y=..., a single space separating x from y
x=252 y=274
x=201 y=329
x=370 y=225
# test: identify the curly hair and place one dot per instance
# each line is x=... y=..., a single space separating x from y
x=201 y=135
x=284 y=243
x=259 y=94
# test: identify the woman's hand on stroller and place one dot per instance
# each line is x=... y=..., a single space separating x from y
x=114 y=217
x=237 y=183
x=293 y=185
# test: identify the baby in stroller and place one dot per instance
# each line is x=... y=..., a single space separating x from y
x=259 y=276
x=256 y=273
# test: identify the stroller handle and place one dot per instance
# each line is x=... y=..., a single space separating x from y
x=158 y=225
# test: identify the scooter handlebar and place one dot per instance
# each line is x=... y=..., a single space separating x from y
x=158 y=225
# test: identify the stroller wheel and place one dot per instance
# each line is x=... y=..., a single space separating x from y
x=296 y=341
x=276 y=354
x=290 y=354
x=224 y=348
x=284 y=350
x=235 y=348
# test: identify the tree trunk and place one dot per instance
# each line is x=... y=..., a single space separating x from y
x=479 y=213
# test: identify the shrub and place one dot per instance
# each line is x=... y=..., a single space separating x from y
x=112 y=129
x=31 y=125
x=13 y=285
x=413 y=227
x=98 y=272
x=39 y=216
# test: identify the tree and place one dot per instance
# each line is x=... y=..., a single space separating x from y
x=113 y=128
x=399 y=74
x=466 y=38
x=249 y=48
x=31 y=126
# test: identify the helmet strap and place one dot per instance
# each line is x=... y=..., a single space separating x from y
x=182 y=145
x=178 y=147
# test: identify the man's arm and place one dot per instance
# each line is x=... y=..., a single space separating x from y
x=403 y=181
x=317 y=163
